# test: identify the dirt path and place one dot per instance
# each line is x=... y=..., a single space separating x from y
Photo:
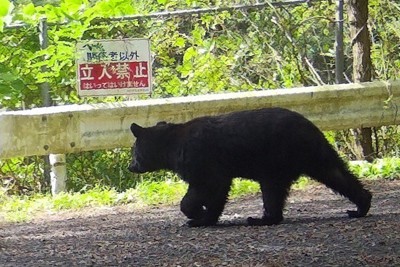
x=315 y=232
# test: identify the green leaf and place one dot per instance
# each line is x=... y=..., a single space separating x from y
x=29 y=9
x=198 y=34
x=189 y=54
x=7 y=77
x=73 y=4
x=18 y=85
x=4 y=7
x=179 y=42
x=5 y=89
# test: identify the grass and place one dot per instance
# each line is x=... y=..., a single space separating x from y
x=160 y=192
x=25 y=208
x=388 y=168
x=150 y=193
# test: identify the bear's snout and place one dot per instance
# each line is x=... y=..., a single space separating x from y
x=133 y=167
x=136 y=167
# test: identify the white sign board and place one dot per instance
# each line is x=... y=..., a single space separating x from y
x=113 y=67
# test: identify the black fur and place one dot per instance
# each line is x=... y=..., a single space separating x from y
x=273 y=146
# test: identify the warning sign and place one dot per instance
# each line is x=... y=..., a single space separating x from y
x=113 y=67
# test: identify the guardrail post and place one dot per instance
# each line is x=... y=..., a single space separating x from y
x=57 y=172
x=58 y=175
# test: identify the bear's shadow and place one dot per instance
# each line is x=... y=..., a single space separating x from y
x=287 y=222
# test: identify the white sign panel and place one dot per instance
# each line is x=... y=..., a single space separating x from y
x=113 y=67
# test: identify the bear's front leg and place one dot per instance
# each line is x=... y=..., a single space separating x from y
x=192 y=205
x=204 y=204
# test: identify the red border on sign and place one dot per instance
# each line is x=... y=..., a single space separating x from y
x=114 y=75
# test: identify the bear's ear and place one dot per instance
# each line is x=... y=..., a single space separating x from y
x=136 y=129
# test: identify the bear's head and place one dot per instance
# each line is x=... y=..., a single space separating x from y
x=149 y=152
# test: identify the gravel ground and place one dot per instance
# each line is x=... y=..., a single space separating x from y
x=315 y=232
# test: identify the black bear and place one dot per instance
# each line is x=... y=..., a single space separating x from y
x=272 y=146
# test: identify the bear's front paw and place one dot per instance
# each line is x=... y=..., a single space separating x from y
x=195 y=214
x=263 y=221
x=201 y=223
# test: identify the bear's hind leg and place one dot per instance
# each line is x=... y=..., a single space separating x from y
x=342 y=181
x=274 y=198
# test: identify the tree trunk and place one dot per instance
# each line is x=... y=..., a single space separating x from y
x=362 y=65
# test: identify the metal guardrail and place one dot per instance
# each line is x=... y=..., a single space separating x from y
x=74 y=128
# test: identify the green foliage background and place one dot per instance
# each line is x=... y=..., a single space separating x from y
x=237 y=50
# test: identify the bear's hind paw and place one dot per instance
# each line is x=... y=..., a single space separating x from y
x=355 y=214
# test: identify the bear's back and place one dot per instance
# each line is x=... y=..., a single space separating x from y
x=246 y=143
